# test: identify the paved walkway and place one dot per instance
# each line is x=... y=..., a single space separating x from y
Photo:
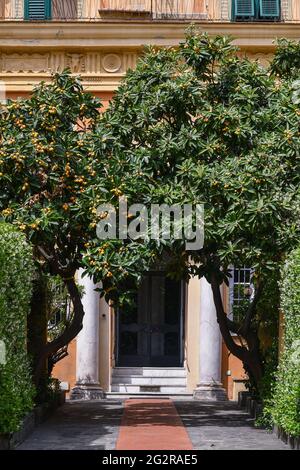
x=152 y=425
x=223 y=426
x=79 y=426
x=105 y=425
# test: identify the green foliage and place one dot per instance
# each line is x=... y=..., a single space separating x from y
x=267 y=318
x=46 y=163
x=47 y=169
x=196 y=125
x=200 y=51
x=286 y=62
x=49 y=391
x=202 y=124
x=266 y=322
x=59 y=306
x=286 y=401
x=16 y=271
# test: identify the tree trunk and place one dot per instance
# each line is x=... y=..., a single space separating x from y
x=253 y=359
x=37 y=329
x=249 y=355
x=68 y=334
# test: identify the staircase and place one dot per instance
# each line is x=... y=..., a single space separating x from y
x=148 y=381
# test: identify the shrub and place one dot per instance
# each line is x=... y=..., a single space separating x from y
x=267 y=324
x=286 y=401
x=268 y=312
x=16 y=271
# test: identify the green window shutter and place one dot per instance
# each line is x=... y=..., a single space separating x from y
x=244 y=8
x=270 y=8
x=37 y=10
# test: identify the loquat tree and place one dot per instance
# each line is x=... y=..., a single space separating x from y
x=46 y=166
x=201 y=124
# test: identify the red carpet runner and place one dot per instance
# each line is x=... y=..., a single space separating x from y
x=152 y=425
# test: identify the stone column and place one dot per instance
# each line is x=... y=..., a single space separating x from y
x=87 y=345
x=209 y=387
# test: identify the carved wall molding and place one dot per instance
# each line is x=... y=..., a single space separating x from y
x=76 y=62
x=100 y=70
x=90 y=63
x=24 y=63
x=112 y=63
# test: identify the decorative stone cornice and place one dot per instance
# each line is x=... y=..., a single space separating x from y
x=101 y=52
x=134 y=34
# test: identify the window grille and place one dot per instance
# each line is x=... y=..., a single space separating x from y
x=241 y=291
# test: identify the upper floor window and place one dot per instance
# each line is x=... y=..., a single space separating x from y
x=38 y=10
x=255 y=10
x=241 y=292
x=59 y=306
x=156 y=10
x=43 y=10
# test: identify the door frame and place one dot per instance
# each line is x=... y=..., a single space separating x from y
x=183 y=285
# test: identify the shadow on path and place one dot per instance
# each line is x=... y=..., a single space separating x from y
x=95 y=426
x=79 y=426
x=223 y=426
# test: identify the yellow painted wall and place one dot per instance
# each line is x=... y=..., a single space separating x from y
x=213 y=8
x=295 y=10
x=104 y=345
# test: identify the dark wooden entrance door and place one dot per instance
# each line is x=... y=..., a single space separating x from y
x=150 y=330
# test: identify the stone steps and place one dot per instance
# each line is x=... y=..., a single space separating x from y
x=125 y=388
x=177 y=396
x=149 y=371
x=136 y=380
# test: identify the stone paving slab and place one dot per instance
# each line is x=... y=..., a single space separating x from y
x=95 y=426
x=79 y=426
x=223 y=426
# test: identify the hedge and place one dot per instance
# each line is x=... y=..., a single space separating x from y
x=286 y=401
x=16 y=272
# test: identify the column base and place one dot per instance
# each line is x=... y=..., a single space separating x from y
x=87 y=392
x=210 y=392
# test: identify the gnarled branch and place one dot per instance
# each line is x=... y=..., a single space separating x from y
x=222 y=319
x=69 y=333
